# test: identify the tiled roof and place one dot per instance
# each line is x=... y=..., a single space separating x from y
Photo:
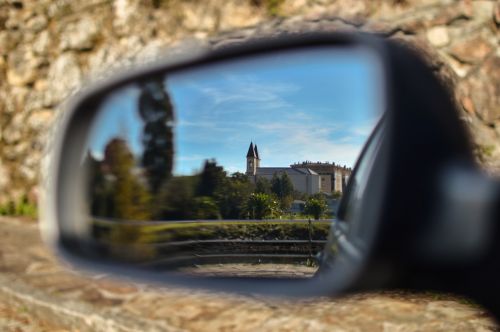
x=288 y=170
x=305 y=170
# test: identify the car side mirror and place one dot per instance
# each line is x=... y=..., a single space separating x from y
x=222 y=170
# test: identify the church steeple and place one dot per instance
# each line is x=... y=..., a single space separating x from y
x=251 y=151
x=257 y=155
x=253 y=160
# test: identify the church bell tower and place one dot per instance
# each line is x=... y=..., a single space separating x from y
x=253 y=160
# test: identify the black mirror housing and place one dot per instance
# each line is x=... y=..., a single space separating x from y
x=423 y=138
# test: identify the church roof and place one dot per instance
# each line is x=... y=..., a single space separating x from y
x=305 y=170
x=287 y=170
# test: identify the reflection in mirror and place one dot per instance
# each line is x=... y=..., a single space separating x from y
x=230 y=169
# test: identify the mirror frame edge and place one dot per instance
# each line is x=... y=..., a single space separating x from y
x=77 y=118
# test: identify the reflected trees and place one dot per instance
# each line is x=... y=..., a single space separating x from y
x=118 y=189
x=232 y=197
x=156 y=111
x=282 y=187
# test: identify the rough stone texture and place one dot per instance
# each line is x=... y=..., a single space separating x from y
x=438 y=36
x=22 y=67
x=471 y=50
x=38 y=294
x=80 y=35
x=63 y=75
x=50 y=48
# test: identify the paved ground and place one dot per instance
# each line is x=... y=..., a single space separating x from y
x=39 y=294
x=254 y=270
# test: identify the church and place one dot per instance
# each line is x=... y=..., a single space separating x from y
x=307 y=177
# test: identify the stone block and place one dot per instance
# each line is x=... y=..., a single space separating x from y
x=41 y=119
x=483 y=9
x=471 y=50
x=438 y=36
x=484 y=90
x=37 y=24
x=63 y=76
x=42 y=43
x=80 y=35
x=22 y=66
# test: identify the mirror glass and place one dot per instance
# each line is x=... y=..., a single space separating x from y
x=234 y=168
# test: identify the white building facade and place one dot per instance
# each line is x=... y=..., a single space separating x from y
x=303 y=179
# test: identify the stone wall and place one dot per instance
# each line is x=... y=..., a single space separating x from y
x=49 y=48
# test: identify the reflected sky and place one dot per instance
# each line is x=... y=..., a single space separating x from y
x=316 y=105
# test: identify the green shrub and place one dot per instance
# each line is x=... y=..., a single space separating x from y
x=272 y=6
x=315 y=207
x=262 y=230
x=23 y=207
x=484 y=152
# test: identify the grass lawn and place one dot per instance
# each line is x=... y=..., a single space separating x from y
x=210 y=230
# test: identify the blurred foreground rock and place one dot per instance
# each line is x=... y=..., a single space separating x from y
x=48 y=49
x=39 y=294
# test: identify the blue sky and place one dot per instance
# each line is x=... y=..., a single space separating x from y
x=118 y=117
x=317 y=105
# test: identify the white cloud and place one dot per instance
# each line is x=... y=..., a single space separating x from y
x=283 y=132
x=365 y=129
x=247 y=91
x=307 y=141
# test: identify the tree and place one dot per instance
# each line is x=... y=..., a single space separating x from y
x=205 y=208
x=260 y=206
x=156 y=111
x=176 y=198
x=300 y=195
x=141 y=201
x=211 y=178
x=233 y=195
x=127 y=197
x=240 y=177
x=282 y=187
x=316 y=207
x=263 y=186
x=100 y=190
